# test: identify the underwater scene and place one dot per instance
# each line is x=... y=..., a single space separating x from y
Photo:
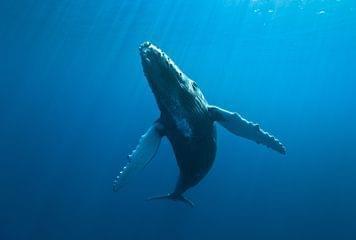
x=178 y=119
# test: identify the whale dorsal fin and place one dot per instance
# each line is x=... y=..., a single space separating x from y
x=243 y=128
x=141 y=156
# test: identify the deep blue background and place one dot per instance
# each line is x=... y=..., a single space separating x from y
x=74 y=102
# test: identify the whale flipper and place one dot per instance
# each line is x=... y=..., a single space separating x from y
x=141 y=156
x=243 y=128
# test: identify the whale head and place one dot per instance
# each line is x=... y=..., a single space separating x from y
x=171 y=87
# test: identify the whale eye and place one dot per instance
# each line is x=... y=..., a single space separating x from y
x=194 y=85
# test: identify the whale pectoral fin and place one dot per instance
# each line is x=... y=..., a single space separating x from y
x=141 y=156
x=243 y=128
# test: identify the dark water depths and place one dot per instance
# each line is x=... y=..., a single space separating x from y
x=74 y=102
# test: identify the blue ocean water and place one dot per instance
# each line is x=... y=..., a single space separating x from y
x=74 y=102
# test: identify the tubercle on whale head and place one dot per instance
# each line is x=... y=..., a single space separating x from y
x=158 y=67
x=165 y=78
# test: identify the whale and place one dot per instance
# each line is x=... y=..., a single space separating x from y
x=189 y=122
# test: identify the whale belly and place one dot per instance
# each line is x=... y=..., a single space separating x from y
x=195 y=154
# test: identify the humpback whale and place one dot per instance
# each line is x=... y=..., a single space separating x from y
x=188 y=121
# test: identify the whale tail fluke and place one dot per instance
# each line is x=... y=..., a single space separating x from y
x=173 y=197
